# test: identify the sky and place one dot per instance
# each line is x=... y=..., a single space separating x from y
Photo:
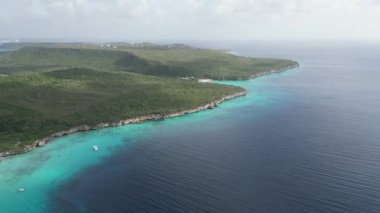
x=146 y=20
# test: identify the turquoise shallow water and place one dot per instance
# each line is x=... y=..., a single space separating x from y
x=42 y=169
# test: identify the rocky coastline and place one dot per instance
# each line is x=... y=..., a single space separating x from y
x=275 y=71
x=81 y=128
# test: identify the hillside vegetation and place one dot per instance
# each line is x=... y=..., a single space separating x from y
x=166 y=62
x=53 y=88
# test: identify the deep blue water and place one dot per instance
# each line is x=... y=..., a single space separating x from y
x=306 y=140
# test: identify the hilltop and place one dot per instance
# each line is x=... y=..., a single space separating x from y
x=175 y=60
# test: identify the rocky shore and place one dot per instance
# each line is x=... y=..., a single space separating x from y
x=81 y=128
x=275 y=71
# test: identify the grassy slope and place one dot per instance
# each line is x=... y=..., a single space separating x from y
x=50 y=89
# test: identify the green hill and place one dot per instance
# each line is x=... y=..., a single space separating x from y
x=35 y=105
x=179 y=61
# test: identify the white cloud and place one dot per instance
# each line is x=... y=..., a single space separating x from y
x=190 y=19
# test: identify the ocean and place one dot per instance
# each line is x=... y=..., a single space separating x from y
x=304 y=140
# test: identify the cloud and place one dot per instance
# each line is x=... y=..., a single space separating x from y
x=188 y=19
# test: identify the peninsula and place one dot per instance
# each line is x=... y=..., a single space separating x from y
x=51 y=89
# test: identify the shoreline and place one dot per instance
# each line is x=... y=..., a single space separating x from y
x=152 y=117
x=275 y=71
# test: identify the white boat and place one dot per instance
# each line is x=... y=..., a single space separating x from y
x=21 y=190
x=95 y=148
